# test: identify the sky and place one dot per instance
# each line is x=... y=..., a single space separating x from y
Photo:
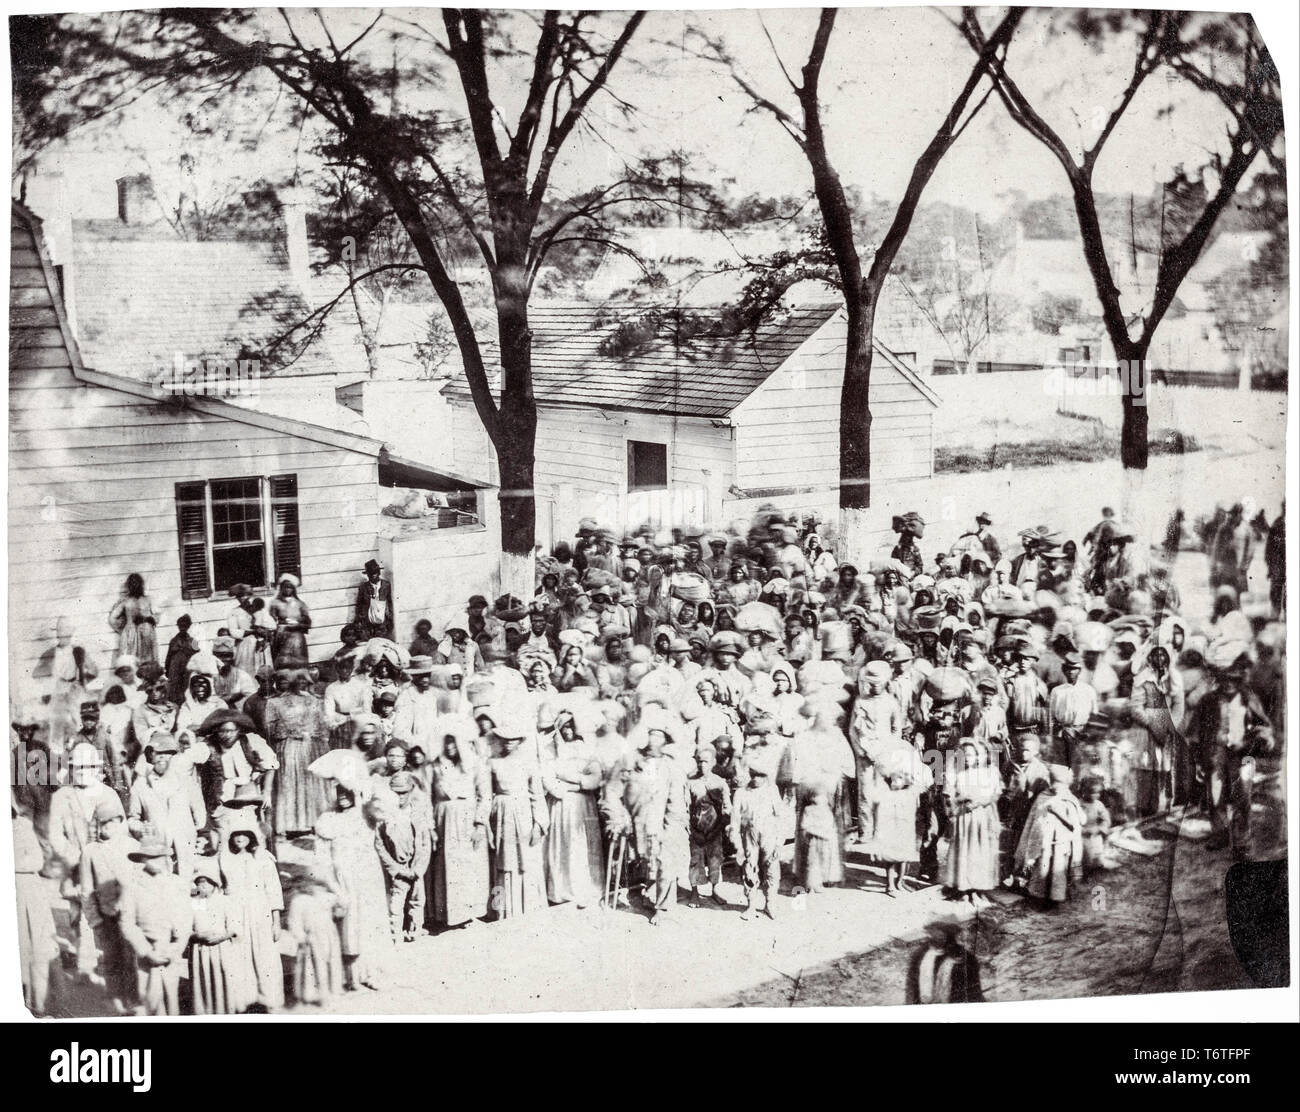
x=890 y=76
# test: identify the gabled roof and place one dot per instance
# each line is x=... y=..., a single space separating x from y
x=616 y=357
x=622 y=357
x=242 y=411
x=144 y=301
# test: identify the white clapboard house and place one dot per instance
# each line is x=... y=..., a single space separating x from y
x=109 y=474
x=643 y=415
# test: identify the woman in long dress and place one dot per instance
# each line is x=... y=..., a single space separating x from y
x=574 y=854
x=971 y=790
x=292 y=621
x=135 y=623
x=347 y=695
x=517 y=829
x=345 y=845
x=252 y=881
x=296 y=729
x=216 y=982
x=462 y=802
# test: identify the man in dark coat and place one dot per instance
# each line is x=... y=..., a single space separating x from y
x=374 y=614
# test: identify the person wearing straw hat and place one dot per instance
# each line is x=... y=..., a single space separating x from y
x=416 y=714
x=162 y=805
x=106 y=869
x=518 y=825
x=710 y=812
x=157 y=922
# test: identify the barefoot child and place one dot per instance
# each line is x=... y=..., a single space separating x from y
x=710 y=811
x=1097 y=852
x=756 y=822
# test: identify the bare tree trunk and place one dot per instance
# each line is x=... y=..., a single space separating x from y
x=855 y=433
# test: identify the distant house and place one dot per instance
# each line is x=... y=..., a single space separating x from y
x=110 y=475
x=643 y=416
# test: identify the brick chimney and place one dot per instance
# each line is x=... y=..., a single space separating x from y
x=136 y=201
x=293 y=211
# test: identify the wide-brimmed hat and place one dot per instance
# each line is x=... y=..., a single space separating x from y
x=219 y=718
x=240 y=590
x=149 y=849
x=126 y=660
x=223 y=646
x=372 y=565
x=984 y=517
x=420 y=666
x=401 y=783
x=898 y=652
x=946 y=684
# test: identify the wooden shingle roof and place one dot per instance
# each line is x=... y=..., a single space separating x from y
x=140 y=302
x=648 y=360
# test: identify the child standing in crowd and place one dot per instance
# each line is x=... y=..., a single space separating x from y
x=756 y=820
x=404 y=842
x=216 y=987
x=1049 y=858
x=710 y=809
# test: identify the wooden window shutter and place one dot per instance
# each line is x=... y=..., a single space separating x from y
x=192 y=536
x=284 y=525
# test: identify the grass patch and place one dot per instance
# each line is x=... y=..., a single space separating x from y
x=1095 y=444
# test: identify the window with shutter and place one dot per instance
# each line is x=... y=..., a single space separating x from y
x=284 y=525
x=192 y=532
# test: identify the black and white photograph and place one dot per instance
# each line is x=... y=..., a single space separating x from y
x=521 y=511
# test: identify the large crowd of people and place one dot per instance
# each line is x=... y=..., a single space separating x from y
x=668 y=706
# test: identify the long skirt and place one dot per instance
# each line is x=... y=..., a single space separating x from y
x=459 y=877
x=896 y=834
x=256 y=969
x=318 y=969
x=300 y=797
x=972 y=861
x=216 y=987
x=288 y=645
x=519 y=878
x=821 y=859
x=574 y=865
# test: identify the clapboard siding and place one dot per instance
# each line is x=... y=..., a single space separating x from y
x=92 y=474
x=787 y=431
x=580 y=461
